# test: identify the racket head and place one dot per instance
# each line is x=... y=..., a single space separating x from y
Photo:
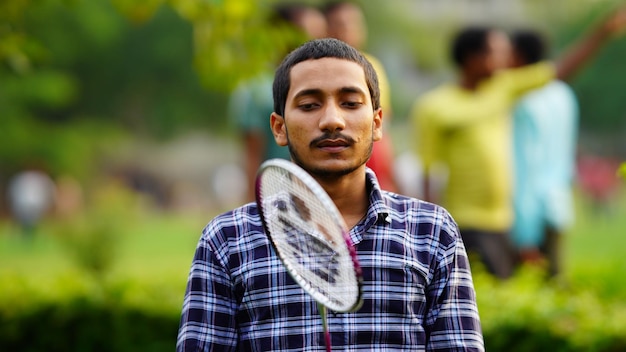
x=309 y=235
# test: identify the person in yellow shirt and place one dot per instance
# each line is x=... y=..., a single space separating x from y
x=346 y=22
x=466 y=127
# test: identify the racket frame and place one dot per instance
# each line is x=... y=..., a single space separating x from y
x=314 y=187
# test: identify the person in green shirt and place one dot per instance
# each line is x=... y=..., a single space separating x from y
x=251 y=103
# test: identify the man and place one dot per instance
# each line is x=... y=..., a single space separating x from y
x=31 y=194
x=346 y=22
x=545 y=129
x=418 y=290
x=466 y=127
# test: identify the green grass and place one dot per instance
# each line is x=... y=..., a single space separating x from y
x=153 y=252
x=594 y=253
x=151 y=258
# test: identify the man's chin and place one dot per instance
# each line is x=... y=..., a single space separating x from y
x=326 y=166
x=330 y=169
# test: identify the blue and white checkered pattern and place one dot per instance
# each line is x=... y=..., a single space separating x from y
x=418 y=290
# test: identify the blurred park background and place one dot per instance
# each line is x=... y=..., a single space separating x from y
x=122 y=103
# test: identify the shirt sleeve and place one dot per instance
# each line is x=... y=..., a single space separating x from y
x=383 y=85
x=249 y=103
x=452 y=322
x=521 y=80
x=208 y=314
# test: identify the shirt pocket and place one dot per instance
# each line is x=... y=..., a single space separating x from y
x=394 y=285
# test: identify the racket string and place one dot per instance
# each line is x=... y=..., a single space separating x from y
x=309 y=241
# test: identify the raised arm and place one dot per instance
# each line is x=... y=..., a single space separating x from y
x=582 y=51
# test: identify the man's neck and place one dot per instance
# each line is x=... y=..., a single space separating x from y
x=468 y=82
x=349 y=193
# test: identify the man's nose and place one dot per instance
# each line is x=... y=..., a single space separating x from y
x=332 y=118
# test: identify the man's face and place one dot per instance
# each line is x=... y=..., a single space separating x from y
x=329 y=123
x=494 y=57
x=313 y=24
x=499 y=51
x=347 y=24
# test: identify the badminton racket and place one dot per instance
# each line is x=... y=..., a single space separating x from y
x=310 y=237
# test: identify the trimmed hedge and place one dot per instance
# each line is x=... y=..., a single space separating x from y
x=84 y=325
x=80 y=314
x=528 y=313
x=525 y=313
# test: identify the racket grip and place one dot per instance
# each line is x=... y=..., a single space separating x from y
x=327 y=338
x=322 y=310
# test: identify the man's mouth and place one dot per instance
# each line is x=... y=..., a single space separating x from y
x=332 y=143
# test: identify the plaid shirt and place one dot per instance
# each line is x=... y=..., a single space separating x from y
x=418 y=290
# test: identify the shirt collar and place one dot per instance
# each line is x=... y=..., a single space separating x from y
x=378 y=209
x=377 y=212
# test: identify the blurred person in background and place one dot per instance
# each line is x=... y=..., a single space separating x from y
x=466 y=127
x=597 y=182
x=545 y=130
x=70 y=198
x=31 y=194
x=346 y=22
x=251 y=102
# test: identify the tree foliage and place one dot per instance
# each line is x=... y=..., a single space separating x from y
x=598 y=85
x=74 y=73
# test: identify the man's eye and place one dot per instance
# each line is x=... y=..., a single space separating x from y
x=352 y=104
x=307 y=107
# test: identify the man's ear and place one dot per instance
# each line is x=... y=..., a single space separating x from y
x=277 y=124
x=378 y=125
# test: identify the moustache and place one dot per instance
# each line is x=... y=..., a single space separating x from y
x=332 y=136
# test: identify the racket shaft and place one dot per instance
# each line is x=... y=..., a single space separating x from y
x=323 y=314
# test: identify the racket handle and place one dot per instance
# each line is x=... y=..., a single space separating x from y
x=322 y=310
x=327 y=338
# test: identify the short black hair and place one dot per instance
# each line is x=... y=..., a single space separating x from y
x=529 y=45
x=318 y=49
x=467 y=42
x=288 y=13
x=331 y=6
